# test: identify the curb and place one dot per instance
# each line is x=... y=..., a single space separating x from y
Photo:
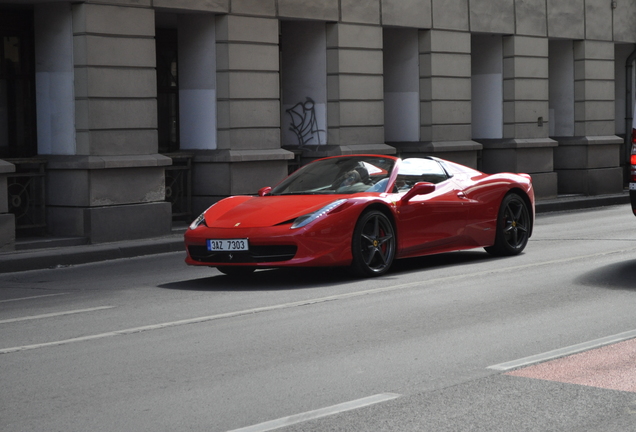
x=73 y=255
x=64 y=256
x=567 y=203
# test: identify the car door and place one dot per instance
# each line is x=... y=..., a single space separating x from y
x=432 y=222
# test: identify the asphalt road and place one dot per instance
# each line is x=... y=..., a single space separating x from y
x=149 y=344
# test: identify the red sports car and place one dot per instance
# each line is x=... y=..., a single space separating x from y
x=364 y=211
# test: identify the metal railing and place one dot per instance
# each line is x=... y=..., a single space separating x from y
x=179 y=186
x=26 y=189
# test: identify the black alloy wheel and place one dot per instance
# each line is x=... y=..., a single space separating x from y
x=513 y=227
x=373 y=244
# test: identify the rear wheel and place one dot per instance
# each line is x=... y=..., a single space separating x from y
x=513 y=227
x=373 y=244
x=236 y=270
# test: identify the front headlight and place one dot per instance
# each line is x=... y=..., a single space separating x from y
x=198 y=221
x=201 y=219
x=310 y=217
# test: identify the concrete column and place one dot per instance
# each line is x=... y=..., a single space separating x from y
x=594 y=88
x=445 y=94
x=112 y=187
x=248 y=152
x=248 y=88
x=589 y=162
x=525 y=146
x=355 y=108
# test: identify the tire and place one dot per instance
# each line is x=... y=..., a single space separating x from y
x=236 y=270
x=373 y=244
x=513 y=227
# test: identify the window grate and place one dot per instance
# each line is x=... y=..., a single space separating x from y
x=27 y=199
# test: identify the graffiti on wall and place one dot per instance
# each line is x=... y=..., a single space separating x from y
x=304 y=123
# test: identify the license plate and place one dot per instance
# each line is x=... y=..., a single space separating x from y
x=228 y=245
x=632 y=186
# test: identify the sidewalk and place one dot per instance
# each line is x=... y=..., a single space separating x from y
x=61 y=252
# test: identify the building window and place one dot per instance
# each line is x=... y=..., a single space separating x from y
x=487 y=86
x=303 y=83
x=17 y=85
x=401 y=85
x=167 y=90
x=561 y=88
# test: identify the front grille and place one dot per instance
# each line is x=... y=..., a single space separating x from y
x=256 y=254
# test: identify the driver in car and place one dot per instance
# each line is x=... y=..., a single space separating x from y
x=356 y=180
x=351 y=178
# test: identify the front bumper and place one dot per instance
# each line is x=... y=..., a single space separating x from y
x=279 y=246
x=256 y=254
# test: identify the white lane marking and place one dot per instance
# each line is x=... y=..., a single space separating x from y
x=54 y=314
x=203 y=319
x=562 y=352
x=32 y=297
x=323 y=412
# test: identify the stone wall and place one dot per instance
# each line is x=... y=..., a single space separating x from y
x=105 y=175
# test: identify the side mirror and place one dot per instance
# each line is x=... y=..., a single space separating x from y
x=264 y=191
x=420 y=188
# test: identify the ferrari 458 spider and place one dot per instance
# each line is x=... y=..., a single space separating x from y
x=364 y=211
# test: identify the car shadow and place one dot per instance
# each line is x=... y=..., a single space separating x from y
x=619 y=276
x=306 y=278
x=266 y=280
x=450 y=259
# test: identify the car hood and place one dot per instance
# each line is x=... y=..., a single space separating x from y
x=252 y=212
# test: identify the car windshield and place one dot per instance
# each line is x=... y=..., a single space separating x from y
x=338 y=175
x=418 y=170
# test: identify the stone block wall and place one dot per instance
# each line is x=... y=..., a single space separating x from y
x=248 y=111
x=115 y=170
x=355 y=109
x=525 y=146
x=589 y=162
x=107 y=168
x=445 y=94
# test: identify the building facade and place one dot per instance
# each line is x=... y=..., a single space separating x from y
x=118 y=117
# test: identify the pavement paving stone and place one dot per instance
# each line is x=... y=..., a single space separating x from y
x=610 y=367
x=497 y=403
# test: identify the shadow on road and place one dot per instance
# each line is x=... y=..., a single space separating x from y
x=614 y=276
x=450 y=260
x=266 y=280
x=305 y=278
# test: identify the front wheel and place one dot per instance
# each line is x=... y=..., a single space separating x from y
x=373 y=244
x=513 y=227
